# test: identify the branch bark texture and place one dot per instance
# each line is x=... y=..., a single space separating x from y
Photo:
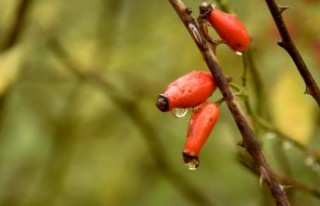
x=249 y=140
x=287 y=43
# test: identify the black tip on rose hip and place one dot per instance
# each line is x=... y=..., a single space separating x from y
x=162 y=103
x=205 y=9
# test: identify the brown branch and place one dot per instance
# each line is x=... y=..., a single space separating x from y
x=17 y=25
x=287 y=43
x=262 y=110
x=265 y=122
x=287 y=181
x=249 y=140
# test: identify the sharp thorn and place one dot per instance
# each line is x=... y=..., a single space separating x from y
x=308 y=91
x=281 y=44
x=189 y=10
x=264 y=176
x=241 y=144
x=261 y=180
x=286 y=187
x=283 y=8
x=229 y=79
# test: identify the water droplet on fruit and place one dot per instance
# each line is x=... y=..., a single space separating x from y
x=238 y=53
x=179 y=112
x=192 y=165
x=190 y=161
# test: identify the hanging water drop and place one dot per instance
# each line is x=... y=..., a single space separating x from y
x=190 y=161
x=192 y=165
x=179 y=112
x=239 y=53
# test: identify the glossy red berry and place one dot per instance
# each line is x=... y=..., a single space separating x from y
x=228 y=27
x=200 y=127
x=187 y=91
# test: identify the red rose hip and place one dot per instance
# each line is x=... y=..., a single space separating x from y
x=200 y=127
x=188 y=91
x=228 y=27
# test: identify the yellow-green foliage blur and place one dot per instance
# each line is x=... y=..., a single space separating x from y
x=78 y=122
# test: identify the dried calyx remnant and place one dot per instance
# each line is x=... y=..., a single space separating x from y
x=192 y=162
x=162 y=103
x=205 y=9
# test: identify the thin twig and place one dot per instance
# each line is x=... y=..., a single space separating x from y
x=244 y=83
x=287 y=181
x=259 y=86
x=266 y=125
x=287 y=43
x=249 y=140
x=260 y=95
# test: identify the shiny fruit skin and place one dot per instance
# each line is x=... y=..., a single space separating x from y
x=230 y=29
x=200 y=127
x=187 y=91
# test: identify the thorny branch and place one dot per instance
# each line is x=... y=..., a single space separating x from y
x=258 y=116
x=288 y=182
x=265 y=123
x=287 y=43
x=249 y=140
x=262 y=121
x=261 y=116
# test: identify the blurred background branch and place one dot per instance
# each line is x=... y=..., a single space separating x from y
x=17 y=26
x=78 y=124
x=128 y=107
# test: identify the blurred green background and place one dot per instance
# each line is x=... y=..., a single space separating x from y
x=78 y=122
